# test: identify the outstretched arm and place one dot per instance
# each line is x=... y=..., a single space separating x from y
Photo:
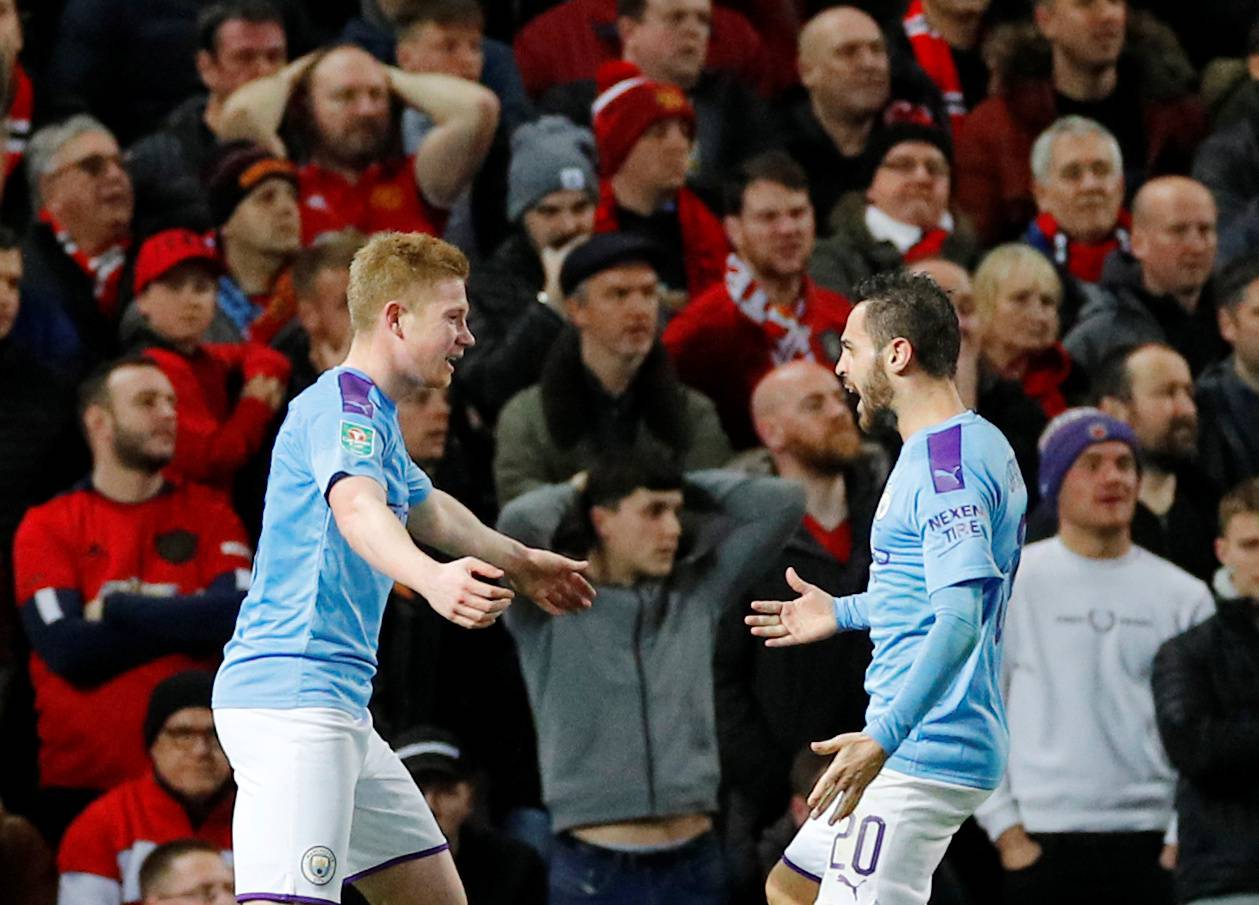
x=553 y=582
x=455 y=589
x=813 y=616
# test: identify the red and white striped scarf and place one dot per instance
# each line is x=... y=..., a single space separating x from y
x=104 y=269
x=18 y=118
x=936 y=59
x=789 y=338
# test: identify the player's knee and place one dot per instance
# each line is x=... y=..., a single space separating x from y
x=785 y=887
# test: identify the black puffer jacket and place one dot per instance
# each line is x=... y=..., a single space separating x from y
x=1206 y=695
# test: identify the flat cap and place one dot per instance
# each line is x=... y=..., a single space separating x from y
x=603 y=251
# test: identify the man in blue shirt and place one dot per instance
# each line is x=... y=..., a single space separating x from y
x=322 y=799
x=945 y=546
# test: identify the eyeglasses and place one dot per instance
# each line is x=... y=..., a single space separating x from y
x=185 y=737
x=94 y=165
x=206 y=892
x=935 y=168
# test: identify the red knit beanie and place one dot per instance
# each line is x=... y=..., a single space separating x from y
x=627 y=105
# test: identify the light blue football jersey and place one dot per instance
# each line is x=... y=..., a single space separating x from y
x=953 y=511
x=308 y=629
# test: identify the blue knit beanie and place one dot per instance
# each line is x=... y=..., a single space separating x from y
x=1066 y=438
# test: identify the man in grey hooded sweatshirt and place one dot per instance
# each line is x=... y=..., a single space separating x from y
x=622 y=695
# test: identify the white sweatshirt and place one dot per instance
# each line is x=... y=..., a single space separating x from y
x=1079 y=644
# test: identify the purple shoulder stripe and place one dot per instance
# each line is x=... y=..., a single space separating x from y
x=944 y=458
x=354 y=394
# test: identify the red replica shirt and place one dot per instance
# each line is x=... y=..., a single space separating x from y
x=216 y=435
x=81 y=546
x=724 y=354
x=103 y=848
x=384 y=197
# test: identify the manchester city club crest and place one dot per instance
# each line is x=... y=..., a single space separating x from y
x=319 y=864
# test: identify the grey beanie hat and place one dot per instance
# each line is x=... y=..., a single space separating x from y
x=548 y=155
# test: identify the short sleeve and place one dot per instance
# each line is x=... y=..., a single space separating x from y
x=344 y=444
x=419 y=485
x=954 y=517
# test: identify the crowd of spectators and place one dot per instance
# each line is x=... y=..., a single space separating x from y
x=668 y=206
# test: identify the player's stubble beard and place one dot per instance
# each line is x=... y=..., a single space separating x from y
x=876 y=413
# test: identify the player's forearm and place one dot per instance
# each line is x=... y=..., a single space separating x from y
x=948 y=644
x=446 y=524
x=375 y=534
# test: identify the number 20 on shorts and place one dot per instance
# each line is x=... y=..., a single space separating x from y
x=865 y=852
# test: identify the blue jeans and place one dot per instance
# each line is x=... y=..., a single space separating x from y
x=693 y=874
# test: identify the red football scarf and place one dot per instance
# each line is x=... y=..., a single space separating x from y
x=1083 y=260
x=928 y=246
x=936 y=59
x=788 y=337
x=104 y=270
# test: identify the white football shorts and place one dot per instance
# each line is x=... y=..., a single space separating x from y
x=321 y=800
x=886 y=850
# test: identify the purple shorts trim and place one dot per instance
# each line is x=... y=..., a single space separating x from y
x=398 y=860
x=281 y=897
x=800 y=870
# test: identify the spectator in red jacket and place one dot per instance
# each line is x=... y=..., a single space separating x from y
x=644 y=131
x=121 y=582
x=1125 y=71
x=187 y=869
x=175 y=293
x=187 y=792
x=766 y=311
x=570 y=41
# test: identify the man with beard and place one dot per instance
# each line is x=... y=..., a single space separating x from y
x=122 y=581
x=1086 y=800
x=1149 y=388
x=945 y=544
x=766 y=311
x=1163 y=291
x=353 y=171
x=517 y=306
x=810 y=438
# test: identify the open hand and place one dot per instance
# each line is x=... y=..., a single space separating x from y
x=810 y=617
x=858 y=759
x=555 y=583
x=457 y=592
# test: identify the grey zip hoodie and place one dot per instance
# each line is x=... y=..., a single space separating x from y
x=622 y=694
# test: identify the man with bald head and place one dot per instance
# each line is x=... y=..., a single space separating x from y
x=353 y=173
x=809 y=435
x=851 y=92
x=1162 y=291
